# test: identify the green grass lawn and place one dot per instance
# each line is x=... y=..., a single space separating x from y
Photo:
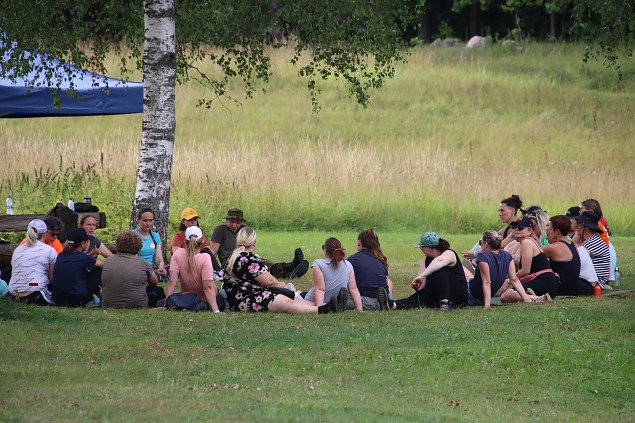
x=571 y=359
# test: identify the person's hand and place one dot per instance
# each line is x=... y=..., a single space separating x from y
x=94 y=253
x=161 y=270
x=418 y=283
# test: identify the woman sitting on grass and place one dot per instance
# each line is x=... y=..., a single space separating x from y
x=33 y=264
x=194 y=270
x=250 y=286
x=95 y=248
x=331 y=274
x=125 y=275
x=151 y=249
x=538 y=279
x=565 y=259
x=371 y=272
x=493 y=267
x=441 y=281
x=70 y=278
x=507 y=213
x=189 y=217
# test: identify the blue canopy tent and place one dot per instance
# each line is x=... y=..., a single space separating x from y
x=80 y=92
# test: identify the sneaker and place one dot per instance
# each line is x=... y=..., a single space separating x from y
x=547 y=297
x=382 y=297
x=342 y=299
x=291 y=287
x=444 y=305
x=299 y=271
x=218 y=275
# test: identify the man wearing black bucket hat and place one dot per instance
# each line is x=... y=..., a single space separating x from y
x=224 y=243
x=589 y=230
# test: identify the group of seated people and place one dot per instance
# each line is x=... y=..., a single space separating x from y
x=532 y=259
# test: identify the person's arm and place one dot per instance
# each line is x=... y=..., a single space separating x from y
x=174 y=278
x=418 y=283
x=104 y=251
x=515 y=282
x=268 y=280
x=51 y=270
x=487 y=283
x=526 y=255
x=99 y=263
x=175 y=243
x=447 y=258
x=318 y=285
x=152 y=278
x=158 y=259
x=209 y=290
x=354 y=292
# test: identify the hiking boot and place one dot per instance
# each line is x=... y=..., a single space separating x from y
x=299 y=270
x=298 y=258
x=342 y=299
x=382 y=297
x=444 y=305
x=330 y=307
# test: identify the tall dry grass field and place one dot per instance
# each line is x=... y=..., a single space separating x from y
x=438 y=147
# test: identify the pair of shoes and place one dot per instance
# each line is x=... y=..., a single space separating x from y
x=382 y=297
x=298 y=258
x=342 y=299
x=299 y=270
x=444 y=305
x=291 y=287
x=530 y=291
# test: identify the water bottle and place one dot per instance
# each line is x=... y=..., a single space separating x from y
x=71 y=204
x=9 y=205
x=616 y=282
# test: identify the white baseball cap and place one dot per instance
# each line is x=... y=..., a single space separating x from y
x=38 y=225
x=194 y=230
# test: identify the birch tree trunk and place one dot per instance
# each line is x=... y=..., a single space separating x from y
x=159 y=121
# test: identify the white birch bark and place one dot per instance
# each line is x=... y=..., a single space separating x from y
x=159 y=121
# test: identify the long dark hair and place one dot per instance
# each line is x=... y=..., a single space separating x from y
x=334 y=250
x=442 y=246
x=369 y=240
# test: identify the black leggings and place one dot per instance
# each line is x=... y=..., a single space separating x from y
x=34 y=298
x=441 y=285
x=544 y=284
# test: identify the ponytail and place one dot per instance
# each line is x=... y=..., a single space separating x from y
x=193 y=248
x=334 y=251
x=32 y=237
x=245 y=238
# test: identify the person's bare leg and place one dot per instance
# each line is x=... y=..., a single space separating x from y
x=283 y=304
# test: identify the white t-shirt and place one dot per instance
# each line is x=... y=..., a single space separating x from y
x=31 y=268
x=587 y=271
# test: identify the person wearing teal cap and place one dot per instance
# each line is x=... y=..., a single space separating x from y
x=441 y=281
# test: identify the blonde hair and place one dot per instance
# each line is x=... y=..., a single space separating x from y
x=32 y=237
x=245 y=238
x=540 y=218
x=193 y=248
x=493 y=239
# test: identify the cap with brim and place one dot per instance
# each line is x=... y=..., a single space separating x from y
x=428 y=239
x=77 y=235
x=189 y=214
x=573 y=212
x=236 y=214
x=589 y=220
x=38 y=225
x=194 y=231
x=522 y=223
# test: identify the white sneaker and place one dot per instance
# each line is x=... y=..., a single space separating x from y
x=291 y=287
x=219 y=275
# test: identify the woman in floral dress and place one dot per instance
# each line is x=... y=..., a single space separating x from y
x=250 y=286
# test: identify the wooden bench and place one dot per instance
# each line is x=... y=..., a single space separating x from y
x=19 y=222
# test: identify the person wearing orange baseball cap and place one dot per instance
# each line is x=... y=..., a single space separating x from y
x=189 y=217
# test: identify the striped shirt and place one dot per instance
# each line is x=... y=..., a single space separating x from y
x=601 y=257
